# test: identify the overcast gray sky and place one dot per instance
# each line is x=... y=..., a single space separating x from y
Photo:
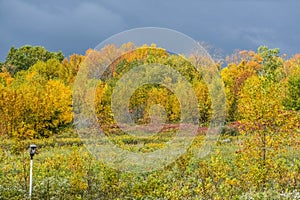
x=74 y=26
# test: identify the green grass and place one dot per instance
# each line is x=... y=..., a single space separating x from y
x=64 y=169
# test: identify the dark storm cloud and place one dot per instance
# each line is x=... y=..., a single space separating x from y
x=74 y=26
x=56 y=26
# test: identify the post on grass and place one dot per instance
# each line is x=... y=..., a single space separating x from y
x=32 y=151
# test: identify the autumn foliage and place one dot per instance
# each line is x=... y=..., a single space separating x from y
x=262 y=123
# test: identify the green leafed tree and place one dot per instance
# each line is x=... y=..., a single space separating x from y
x=271 y=62
x=24 y=57
x=292 y=101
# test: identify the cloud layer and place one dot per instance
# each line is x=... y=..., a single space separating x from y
x=74 y=26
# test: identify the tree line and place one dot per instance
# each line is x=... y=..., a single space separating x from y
x=262 y=88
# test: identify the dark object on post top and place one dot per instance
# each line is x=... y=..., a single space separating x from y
x=32 y=150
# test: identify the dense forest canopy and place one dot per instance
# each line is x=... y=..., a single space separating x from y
x=36 y=85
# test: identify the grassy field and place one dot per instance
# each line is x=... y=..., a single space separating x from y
x=64 y=169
